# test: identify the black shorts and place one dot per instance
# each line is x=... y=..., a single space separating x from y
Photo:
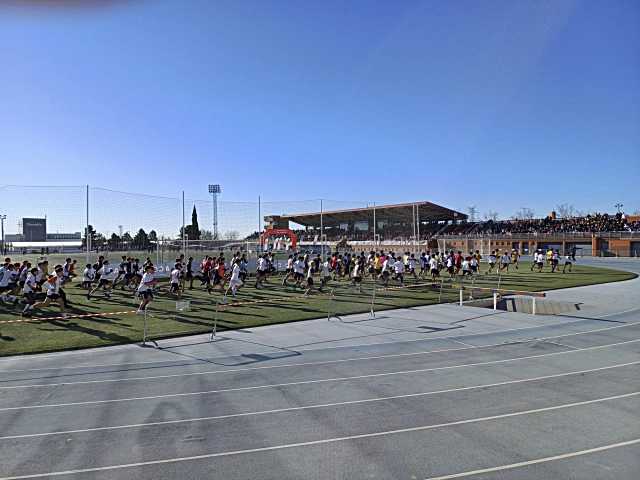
x=103 y=282
x=53 y=296
x=289 y=270
x=385 y=274
x=147 y=294
x=434 y=271
x=399 y=276
x=540 y=264
x=474 y=268
x=298 y=276
x=357 y=279
x=189 y=275
x=309 y=281
x=450 y=269
x=174 y=287
x=29 y=297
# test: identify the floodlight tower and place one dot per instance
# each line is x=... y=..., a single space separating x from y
x=214 y=190
x=619 y=206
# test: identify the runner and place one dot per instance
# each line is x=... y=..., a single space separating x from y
x=145 y=289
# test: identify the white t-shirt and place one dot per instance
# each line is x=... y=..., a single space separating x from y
x=325 y=269
x=465 y=265
x=433 y=264
x=505 y=259
x=52 y=287
x=385 y=265
x=398 y=266
x=30 y=283
x=492 y=259
x=262 y=264
x=145 y=283
x=175 y=275
x=4 y=276
x=235 y=273
x=298 y=267
x=107 y=273
x=356 y=270
x=88 y=275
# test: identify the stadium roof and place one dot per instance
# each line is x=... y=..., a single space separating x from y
x=401 y=212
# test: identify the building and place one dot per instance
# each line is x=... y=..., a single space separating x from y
x=34 y=229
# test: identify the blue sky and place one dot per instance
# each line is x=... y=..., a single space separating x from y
x=498 y=104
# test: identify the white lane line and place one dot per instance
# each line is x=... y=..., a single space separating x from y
x=300 y=364
x=310 y=382
x=443 y=338
x=316 y=406
x=323 y=441
x=537 y=460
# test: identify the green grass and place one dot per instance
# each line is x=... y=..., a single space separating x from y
x=278 y=304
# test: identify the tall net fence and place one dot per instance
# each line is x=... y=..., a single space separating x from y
x=97 y=220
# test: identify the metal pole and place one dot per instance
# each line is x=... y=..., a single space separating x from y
x=88 y=240
x=215 y=216
x=418 y=221
x=413 y=213
x=372 y=313
x=495 y=300
x=374 y=223
x=2 y=218
x=259 y=222
x=461 y=297
x=144 y=328
x=183 y=225
x=321 y=232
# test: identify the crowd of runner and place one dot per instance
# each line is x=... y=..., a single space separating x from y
x=36 y=286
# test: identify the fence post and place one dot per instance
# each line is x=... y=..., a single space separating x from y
x=495 y=300
x=533 y=306
x=461 y=299
x=215 y=322
x=372 y=312
x=144 y=328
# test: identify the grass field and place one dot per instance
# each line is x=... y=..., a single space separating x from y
x=274 y=304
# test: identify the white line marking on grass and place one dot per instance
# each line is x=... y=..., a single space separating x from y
x=536 y=461
x=309 y=382
x=323 y=441
x=316 y=406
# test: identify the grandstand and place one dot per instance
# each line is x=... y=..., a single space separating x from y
x=425 y=224
x=397 y=222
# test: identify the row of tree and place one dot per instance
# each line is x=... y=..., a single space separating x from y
x=143 y=240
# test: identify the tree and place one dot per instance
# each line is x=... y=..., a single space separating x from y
x=141 y=240
x=231 y=235
x=206 y=235
x=193 y=231
x=126 y=238
x=114 y=242
x=565 y=210
x=491 y=215
x=92 y=235
x=153 y=236
x=525 y=213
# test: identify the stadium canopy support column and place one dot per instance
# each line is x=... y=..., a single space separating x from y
x=413 y=213
x=374 y=223
x=86 y=234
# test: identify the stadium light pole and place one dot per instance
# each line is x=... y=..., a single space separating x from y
x=214 y=190
x=619 y=207
x=2 y=219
